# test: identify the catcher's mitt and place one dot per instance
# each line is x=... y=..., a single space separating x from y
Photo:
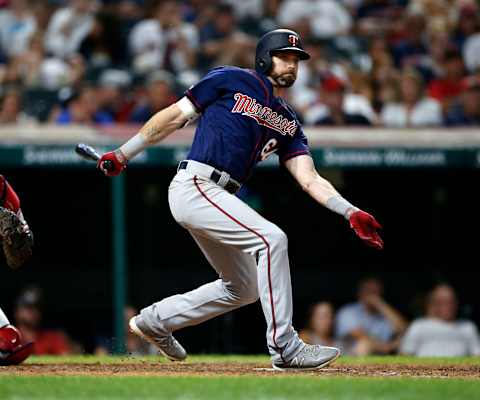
x=16 y=238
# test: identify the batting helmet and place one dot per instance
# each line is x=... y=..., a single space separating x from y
x=277 y=40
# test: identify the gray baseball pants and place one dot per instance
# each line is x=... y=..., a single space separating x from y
x=249 y=254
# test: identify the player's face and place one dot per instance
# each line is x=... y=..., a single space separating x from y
x=285 y=68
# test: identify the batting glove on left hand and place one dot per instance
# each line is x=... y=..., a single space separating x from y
x=365 y=226
x=112 y=163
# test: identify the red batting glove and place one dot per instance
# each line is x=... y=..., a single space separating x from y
x=112 y=163
x=365 y=226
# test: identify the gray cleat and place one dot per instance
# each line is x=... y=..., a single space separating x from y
x=167 y=345
x=309 y=358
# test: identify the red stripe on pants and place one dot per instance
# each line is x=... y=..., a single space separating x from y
x=268 y=257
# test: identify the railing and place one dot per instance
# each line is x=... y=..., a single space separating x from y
x=45 y=146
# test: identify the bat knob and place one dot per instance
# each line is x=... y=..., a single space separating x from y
x=108 y=165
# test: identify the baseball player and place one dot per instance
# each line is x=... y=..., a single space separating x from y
x=242 y=120
x=16 y=238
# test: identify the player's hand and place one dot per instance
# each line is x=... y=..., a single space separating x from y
x=112 y=163
x=365 y=226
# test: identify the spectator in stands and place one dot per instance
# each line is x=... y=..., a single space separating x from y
x=102 y=46
x=449 y=85
x=319 y=327
x=68 y=27
x=440 y=333
x=468 y=23
x=325 y=19
x=304 y=93
x=34 y=69
x=468 y=35
x=127 y=13
x=332 y=111
x=250 y=13
x=113 y=95
x=81 y=107
x=432 y=65
x=383 y=74
x=222 y=43
x=11 y=108
x=24 y=68
x=185 y=38
x=165 y=42
x=17 y=26
x=28 y=319
x=371 y=325
x=412 y=109
x=412 y=48
x=376 y=17
x=134 y=346
x=159 y=95
x=466 y=110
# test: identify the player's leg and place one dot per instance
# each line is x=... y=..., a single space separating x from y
x=202 y=206
x=236 y=287
x=3 y=319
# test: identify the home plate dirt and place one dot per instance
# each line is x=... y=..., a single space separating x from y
x=238 y=369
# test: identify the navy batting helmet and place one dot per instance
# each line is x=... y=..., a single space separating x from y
x=277 y=40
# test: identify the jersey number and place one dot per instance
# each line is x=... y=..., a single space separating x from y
x=270 y=147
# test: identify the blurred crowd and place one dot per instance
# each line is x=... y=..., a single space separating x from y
x=371 y=325
x=393 y=63
x=52 y=339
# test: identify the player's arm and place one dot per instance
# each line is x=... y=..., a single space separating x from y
x=162 y=124
x=365 y=226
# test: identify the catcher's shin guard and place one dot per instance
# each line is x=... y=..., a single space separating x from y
x=12 y=350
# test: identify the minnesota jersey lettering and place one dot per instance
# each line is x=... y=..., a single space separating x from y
x=240 y=116
x=265 y=116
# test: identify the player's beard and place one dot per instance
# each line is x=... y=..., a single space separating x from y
x=284 y=80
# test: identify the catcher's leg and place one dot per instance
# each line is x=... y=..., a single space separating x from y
x=13 y=350
x=3 y=319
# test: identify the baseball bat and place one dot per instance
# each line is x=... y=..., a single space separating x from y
x=89 y=153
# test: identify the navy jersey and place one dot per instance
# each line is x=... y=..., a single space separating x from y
x=241 y=122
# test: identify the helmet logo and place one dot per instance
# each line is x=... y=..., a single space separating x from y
x=293 y=40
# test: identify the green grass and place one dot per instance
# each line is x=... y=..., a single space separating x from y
x=269 y=387
x=233 y=388
x=234 y=358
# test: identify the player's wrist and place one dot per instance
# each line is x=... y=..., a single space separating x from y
x=120 y=156
x=341 y=206
x=131 y=148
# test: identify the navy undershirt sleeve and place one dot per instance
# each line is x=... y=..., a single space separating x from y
x=297 y=146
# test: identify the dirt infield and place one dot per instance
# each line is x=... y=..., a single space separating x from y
x=240 y=369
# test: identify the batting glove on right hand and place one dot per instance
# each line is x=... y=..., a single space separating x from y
x=365 y=226
x=112 y=163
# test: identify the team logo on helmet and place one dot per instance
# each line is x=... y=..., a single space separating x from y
x=293 y=40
